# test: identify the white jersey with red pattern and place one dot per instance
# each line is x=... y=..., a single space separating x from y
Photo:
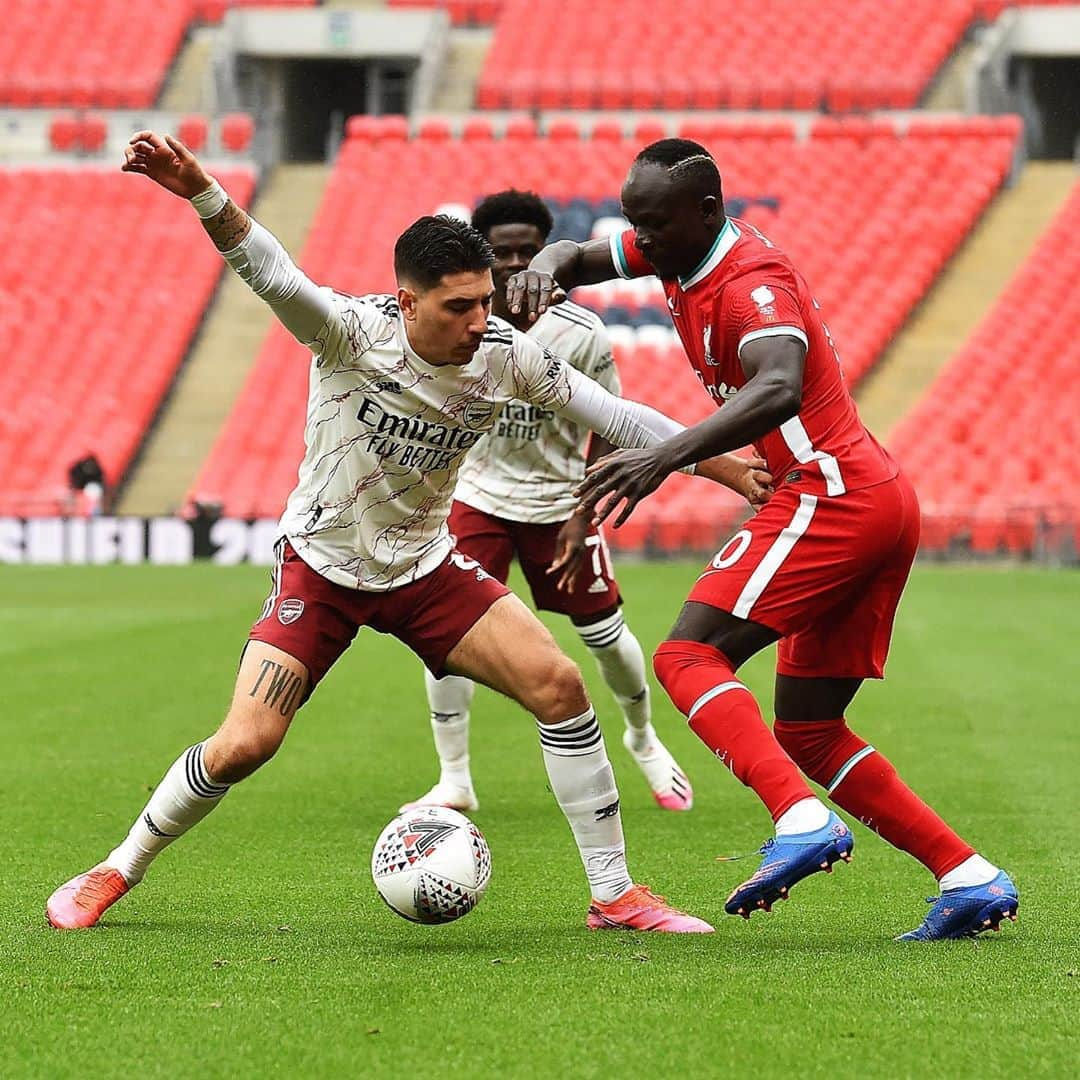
x=387 y=431
x=527 y=466
x=746 y=289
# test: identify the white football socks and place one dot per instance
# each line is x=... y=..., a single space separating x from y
x=184 y=797
x=807 y=815
x=449 y=699
x=584 y=786
x=621 y=662
x=974 y=870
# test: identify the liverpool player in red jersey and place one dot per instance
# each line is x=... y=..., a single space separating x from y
x=820 y=569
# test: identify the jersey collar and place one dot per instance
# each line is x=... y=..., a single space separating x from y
x=724 y=242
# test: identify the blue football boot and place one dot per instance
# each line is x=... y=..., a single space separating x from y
x=960 y=913
x=788 y=859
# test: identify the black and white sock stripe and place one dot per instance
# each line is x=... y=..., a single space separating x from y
x=581 y=738
x=601 y=635
x=197 y=779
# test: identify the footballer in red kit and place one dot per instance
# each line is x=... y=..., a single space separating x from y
x=820 y=569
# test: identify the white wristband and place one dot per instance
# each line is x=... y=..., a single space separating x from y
x=211 y=201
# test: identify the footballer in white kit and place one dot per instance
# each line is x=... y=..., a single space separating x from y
x=401 y=389
x=515 y=498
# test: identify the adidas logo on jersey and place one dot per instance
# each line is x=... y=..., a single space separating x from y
x=388 y=386
x=598 y=586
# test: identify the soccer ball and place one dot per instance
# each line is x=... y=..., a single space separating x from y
x=431 y=865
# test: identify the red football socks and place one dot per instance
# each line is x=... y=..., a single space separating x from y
x=864 y=783
x=724 y=715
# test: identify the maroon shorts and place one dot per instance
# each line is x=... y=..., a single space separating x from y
x=493 y=542
x=315 y=620
x=824 y=573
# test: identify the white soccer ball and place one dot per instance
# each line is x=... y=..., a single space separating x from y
x=431 y=865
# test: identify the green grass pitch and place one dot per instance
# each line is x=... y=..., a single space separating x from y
x=258 y=947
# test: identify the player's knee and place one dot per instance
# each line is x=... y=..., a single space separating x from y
x=233 y=756
x=559 y=691
x=676 y=661
x=687 y=669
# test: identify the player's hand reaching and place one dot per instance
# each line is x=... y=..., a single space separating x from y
x=626 y=476
x=533 y=291
x=167 y=161
x=570 y=550
x=749 y=477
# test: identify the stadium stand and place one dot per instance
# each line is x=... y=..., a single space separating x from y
x=111 y=54
x=994 y=439
x=870 y=214
x=767 y=54
x=102 y=285
x=486 y=12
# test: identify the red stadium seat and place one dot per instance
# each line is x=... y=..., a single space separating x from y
x=607 y=131
x=648 y=131
x=477 y=129
x=362 y=128
x=192 y=132
x=64 y=132
x=391 y=128
x=236 y=132
x=563 y=131
x=520 y=129
x=93 y=132
x=434 y=129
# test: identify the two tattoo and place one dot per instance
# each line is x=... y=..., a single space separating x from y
x=280 y=687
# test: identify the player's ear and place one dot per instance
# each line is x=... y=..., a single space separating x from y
x=407 y=302
x=710 y=207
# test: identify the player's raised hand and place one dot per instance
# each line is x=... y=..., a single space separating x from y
x=533 y=291
x=167 y=161
x=623 y=477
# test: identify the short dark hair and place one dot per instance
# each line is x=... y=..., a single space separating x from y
x=687 y=161
x=436 y=245
x=512 y=207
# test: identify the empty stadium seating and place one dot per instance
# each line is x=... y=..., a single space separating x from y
x=994 y=441
x=112 y=54
x=102 y=286
x=771 y=54
x=868 y=214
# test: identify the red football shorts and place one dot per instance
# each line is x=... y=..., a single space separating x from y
x=825 y=573
x=315 y=620
x=493 y=542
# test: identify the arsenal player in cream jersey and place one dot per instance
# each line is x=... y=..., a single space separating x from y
x=515 y=498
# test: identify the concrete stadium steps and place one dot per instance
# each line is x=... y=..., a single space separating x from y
x=214 y=372
x=455 y=90
x=963 y=294
x=948 y=92
x=187 y=81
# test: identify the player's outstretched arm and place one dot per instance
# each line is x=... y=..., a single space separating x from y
x=772 y=394
x=556 y=270
x=252 y=251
